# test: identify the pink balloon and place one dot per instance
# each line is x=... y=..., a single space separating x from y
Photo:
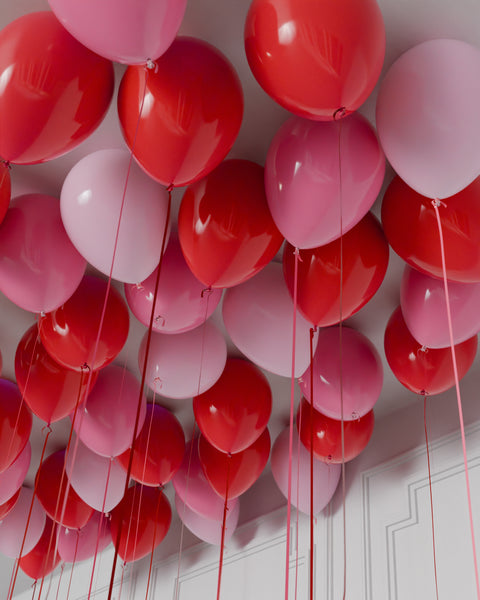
x=424 y=309
x=258 y=316
x=325 y=476
x=421 y=120
x=182 y=302
x=306 y=186
x=350 y=368
x=12 y=528
x=39 y=267
x=122 y=30
x=12 y=478
x=107 y=422
x=184 y=365
x=75 y=545
x=91 y=201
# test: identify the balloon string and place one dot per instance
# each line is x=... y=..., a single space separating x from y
x=124 y=566
x=436 y=204
x=298 y=497
x=224 y=523
x=312 y=334
x=73 y=565
x=62 y=568
x=49 y=549
x=34 y=587
x=153 y=546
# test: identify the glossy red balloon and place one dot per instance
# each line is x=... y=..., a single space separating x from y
x=242 y=469
x=410 y=224
x=191 y=115
x=365 y=261
x=50 y=390
x=7 y=506
x=225 y=227
x=15 y=423
x=144 y=516
x=70 y=332
x=315 y=58
x=5 y=189
x=234 y=412
x=327 y=434
x=51 y=488
x=424 y=370
x=55 y=91
x=43 y=559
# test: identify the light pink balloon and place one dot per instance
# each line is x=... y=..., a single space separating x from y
x=39 y=266
x=91 y=202
x=348 y=368
x=12 y=478
x=107 y=422
x=424 y=309
x=75 y=545
x=304 y=184
x=184 y=365
x=258 y=316
x=182 y=301
x=325 y=476
x=421 y=119
x=122 y=30
x=12 y=528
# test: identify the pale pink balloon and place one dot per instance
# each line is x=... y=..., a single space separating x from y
x=76 y=545
x=421 y=120
x=309 y=192
x=11 y=479
x=346 y=368
x=258 y=316
x=424 y=309
x=12 y=528
x=39 y=266
x=184 y=365
x=91 y=206
x=325 y=476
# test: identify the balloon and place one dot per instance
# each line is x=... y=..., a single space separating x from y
x=180 y=366
x=410 y=224
x=71 y=333
x=425 y=311
x=144 y=516
x=99 y=481
x=113 y=211
x=159 y=448
x=15 y=423
x=225 y=227
x=52 y=486
x=41 y=560
x=317 y=59
x=13 y=526
x=325 y=476
x=55 y=91
x=5 y=189
x=182 y=303
x=208 y=530
x=107 y=423
x=241 y=469
x=7 y=506
x=346 y=367
x=365 y=259
x=327 y=434
x=234 y=412
x=313 y=169
x=51 y=391
x=127 y=32
x=39 y=266
x=258 y=316
x=12 y=478
x=420 y=116
x=75 y=546
x=420 y=369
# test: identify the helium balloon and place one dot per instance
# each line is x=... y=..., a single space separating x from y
x=76 y=545
x=15 y=423
x=13 y=526
x=5 y=189
x=43 y=558
x=11 y=479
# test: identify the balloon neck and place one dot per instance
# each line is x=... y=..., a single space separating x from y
x=7 y=163
x=151 y=65
x=339 y=113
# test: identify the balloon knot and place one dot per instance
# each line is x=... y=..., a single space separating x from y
x=85 y=367
x=151 y=65
x=157 y=381
x=436 y=203
x=206 y=291
x=160 y=319
x=139 y=286
x=296 y=253
x=339 y=113
x=170 y=188
x=42 y=314
x=8 y=164
x=47 y=429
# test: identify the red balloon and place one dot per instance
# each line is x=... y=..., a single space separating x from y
x=70 y=332
x=315 y=58
x=225 y=227
x=424 y=370
x=51 y=473
x=234 y=412
x=365 y=261
x=327 y=434
x=191 y=116
x=410 y=224
x=144 y=516
x=159 y=448
x=5 y=189
x=7 y=506
x=41 y=561
x=15 y=423
x=55 y=91
x=50 y=390
x=243 y=468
